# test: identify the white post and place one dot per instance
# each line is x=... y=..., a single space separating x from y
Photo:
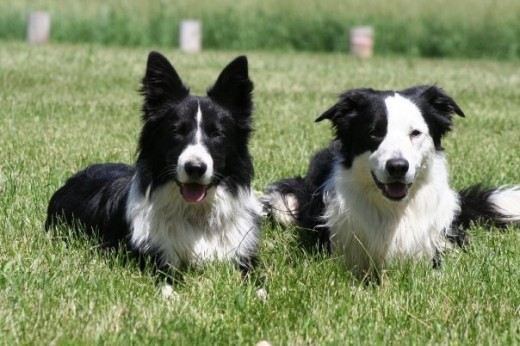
x=190 y=36
x=38 y=27
x=362 y=41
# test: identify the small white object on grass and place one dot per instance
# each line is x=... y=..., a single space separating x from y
x=263 y=343
x=38 y=27
x=362 y=41
x=167 y=292
x=190 y=36
x=261 y=294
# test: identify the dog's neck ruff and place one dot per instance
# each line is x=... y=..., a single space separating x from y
x=221 y=227
x=370 y=230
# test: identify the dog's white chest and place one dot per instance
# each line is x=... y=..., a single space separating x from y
x=224 y=228
x=369 y=231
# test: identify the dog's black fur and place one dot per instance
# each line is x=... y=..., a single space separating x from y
x=189 y=199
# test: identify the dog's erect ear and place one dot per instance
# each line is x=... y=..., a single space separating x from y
x=233 y=88
x=161 y=83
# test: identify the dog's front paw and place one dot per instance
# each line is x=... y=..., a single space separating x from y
x=168 y=293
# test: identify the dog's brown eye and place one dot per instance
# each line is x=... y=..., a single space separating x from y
x=415 y=133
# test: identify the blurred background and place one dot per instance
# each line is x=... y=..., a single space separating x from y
x=415 y=28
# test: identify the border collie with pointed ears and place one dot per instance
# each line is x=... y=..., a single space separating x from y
x=188 y=198
x=381 y=191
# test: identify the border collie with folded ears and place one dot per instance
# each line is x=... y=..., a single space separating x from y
x=381 y=190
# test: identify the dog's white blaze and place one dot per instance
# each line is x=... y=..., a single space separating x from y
x=403 y=118
x=222 y=227
x=367 y=228
x=196 y=152
x=198 y=135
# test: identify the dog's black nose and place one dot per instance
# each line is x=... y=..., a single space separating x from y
x=195 y=169
x=397 y=167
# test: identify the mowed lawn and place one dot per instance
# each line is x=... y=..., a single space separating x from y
x=64 y=107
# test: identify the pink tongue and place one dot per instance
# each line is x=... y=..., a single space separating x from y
x=193 y=193
x=396 y=190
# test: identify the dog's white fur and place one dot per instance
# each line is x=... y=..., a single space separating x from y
x=388 y=196
x=284 y=208
x=196 y=152
x=369 y=229
x=507 y=202
x=182 y=231
x=403 y=118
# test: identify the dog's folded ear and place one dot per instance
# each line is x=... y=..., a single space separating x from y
x=330 y=114
x=349 y=103
x=441 y=101
x=233 y=88
x=161 y=83
x=438 y=108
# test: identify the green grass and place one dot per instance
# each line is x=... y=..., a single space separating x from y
x=434 y=28
x=63 y=107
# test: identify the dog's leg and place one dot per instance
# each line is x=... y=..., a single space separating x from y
x=246 y=265
x=437 y=259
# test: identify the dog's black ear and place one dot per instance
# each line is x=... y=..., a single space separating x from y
x=233 y=88
x=441 y=101
x=348 y=105
x=438 y=108
x=330 y=114
x=161 y=83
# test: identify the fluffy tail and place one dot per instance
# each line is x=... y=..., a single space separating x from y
x=498 y=206
x=281 y=200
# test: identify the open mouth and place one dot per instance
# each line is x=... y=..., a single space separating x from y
x=395 y=191
x=193 y=193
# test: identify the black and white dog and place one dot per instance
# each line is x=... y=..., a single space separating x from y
x=381 y=190
x=188 y=198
